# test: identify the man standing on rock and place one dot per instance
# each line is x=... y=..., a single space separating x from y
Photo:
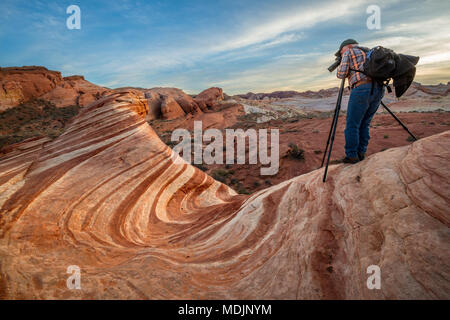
x=363 y=102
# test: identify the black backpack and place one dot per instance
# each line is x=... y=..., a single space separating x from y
x=380 y=63
x=383 y=64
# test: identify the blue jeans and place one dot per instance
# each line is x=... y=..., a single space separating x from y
x=361 y=108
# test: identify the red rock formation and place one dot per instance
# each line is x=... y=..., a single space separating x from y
x=75 y=90
x=177 y=98
x=108 y=196
x=154 y=105
x=185 y=101
x=20 y=84
x=170 y=109
x=208 y=99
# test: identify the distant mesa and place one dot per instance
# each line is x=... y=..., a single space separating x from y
x=415 y=89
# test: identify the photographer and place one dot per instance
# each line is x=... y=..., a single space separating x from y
x=365 y=98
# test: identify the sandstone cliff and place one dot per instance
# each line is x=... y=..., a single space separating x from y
x=209 y=98
x=22 y=84
x=75 y=91
x=182 y=103
x=108 y=196
x=172 y=103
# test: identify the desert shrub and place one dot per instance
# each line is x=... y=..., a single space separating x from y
x=32 y=119
x=53 y=134
x=317 y=151
x=249 y=117
x=295 y=152
x=7 y=140
x=221 y=174
x=386 y=136
x=219 y=178
x=234 y=181
x=242 y=190
x=410 y=139
x=201 y=167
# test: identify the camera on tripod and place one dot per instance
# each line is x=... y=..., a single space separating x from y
x=336 y=63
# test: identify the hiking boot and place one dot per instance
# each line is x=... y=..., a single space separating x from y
x=350 y=160
x=361 y=156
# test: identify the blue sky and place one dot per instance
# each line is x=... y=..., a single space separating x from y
x=241 y=46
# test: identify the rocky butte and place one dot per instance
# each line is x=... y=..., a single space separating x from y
x=22 y=84
x=107 y=196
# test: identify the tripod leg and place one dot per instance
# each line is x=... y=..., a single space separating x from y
x=333 y=127
x=328 y=140
x=331 y=145
x=341 y=90
x=399 y=121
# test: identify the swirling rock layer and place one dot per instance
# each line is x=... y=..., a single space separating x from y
x=109 y=197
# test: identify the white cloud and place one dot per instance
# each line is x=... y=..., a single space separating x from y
x=294 y=20
x=254 y=35
x=277 y=29
x=435 y=58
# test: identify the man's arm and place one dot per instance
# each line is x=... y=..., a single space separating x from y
x=342 y=71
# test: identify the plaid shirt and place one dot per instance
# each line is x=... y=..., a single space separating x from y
x=353 y=59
